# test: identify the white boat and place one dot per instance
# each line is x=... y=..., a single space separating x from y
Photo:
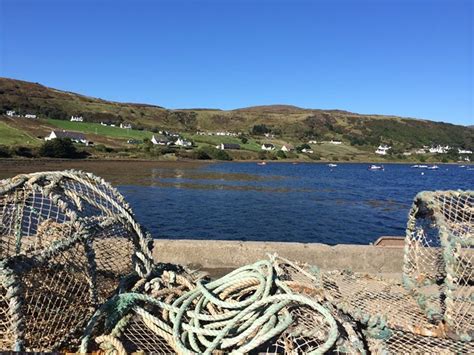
x=262 y=163
x=332 y=165
x=433 y=167
x=415 y=166
x=462 y=166
x=376 y=167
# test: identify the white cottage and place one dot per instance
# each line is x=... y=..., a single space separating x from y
x=382 y=149
x=73 y=136
x=268 y=146
x=180 y=142
x=77 y=119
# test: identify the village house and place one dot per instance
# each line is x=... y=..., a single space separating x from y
x=73 y=136
x=77 y=119
x=225 y=146
x=312 y=142
x=11 y=113
x=440 y=149
x=420 y=151
x=30 y=115
x=180 y=142
x=126 y=125
x=268 y=146
x=160 y=141
x=269 y=135
x=335 y=142
x=464 y=151
x=287 y=148
x=382 y=149
x=307 y=150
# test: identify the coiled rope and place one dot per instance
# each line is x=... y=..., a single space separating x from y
x=236 y=313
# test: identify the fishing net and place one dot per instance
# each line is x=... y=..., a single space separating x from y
x=439 y=257
x=253 y=309
x=76 y=273
x=67 y=241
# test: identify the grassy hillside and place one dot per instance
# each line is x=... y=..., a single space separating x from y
x=13 y=136
x=360 y=133
x=98 y=129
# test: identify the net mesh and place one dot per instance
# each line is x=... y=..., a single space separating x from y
x=67 y=239
x=70 y=249
x=439 y=257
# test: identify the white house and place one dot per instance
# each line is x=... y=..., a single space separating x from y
x=313 y=142
x=11 y=113
x=335 y=142
x=420 y=151
x=464 y=151
x=180 y=142
x=29 y=115
x=73 y=136
x=126 y=125
x=307 y=150
x=440 y=149
x=77 y=119
x=225 y=146
x=268 y=146
x=159 y=141
x=382 y=149
x=287 y=148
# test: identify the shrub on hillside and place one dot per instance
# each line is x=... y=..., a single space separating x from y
x=5 y=152
x=24 y=152
x=58 y=148
x=281 y=154
x=215 y=153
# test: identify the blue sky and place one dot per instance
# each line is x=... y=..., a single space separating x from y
x=411 y=58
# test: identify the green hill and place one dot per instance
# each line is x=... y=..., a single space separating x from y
x=287 y=123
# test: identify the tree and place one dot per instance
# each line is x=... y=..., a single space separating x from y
x=260 y=129
x=58 y=148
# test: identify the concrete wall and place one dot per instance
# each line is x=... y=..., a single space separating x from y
x=211 y=254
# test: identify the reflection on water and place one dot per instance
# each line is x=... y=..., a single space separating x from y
x=276 y=202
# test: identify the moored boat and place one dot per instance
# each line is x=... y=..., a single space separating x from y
x=331 y=165
x=376 y=167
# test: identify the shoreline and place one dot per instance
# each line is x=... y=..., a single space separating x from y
x=210 y=161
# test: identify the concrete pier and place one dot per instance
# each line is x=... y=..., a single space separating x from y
x=226 y=255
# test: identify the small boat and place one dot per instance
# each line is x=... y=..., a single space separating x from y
x=376 y=167
x=462 y=166
x=262 y=163
x=433 y=167
x=415 y=166
x=332 y=165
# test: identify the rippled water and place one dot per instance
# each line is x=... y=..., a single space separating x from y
x=285 y=202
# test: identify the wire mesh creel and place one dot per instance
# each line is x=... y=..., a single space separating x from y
x=439 y=256
x=68 y=240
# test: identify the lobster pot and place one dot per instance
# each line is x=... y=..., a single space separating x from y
x=67 y=240
x=439 y=257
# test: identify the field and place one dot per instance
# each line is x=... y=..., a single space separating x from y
x=98 y=129
x=12 y=136
x=251 y=145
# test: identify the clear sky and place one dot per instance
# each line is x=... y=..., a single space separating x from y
x=408 y=57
